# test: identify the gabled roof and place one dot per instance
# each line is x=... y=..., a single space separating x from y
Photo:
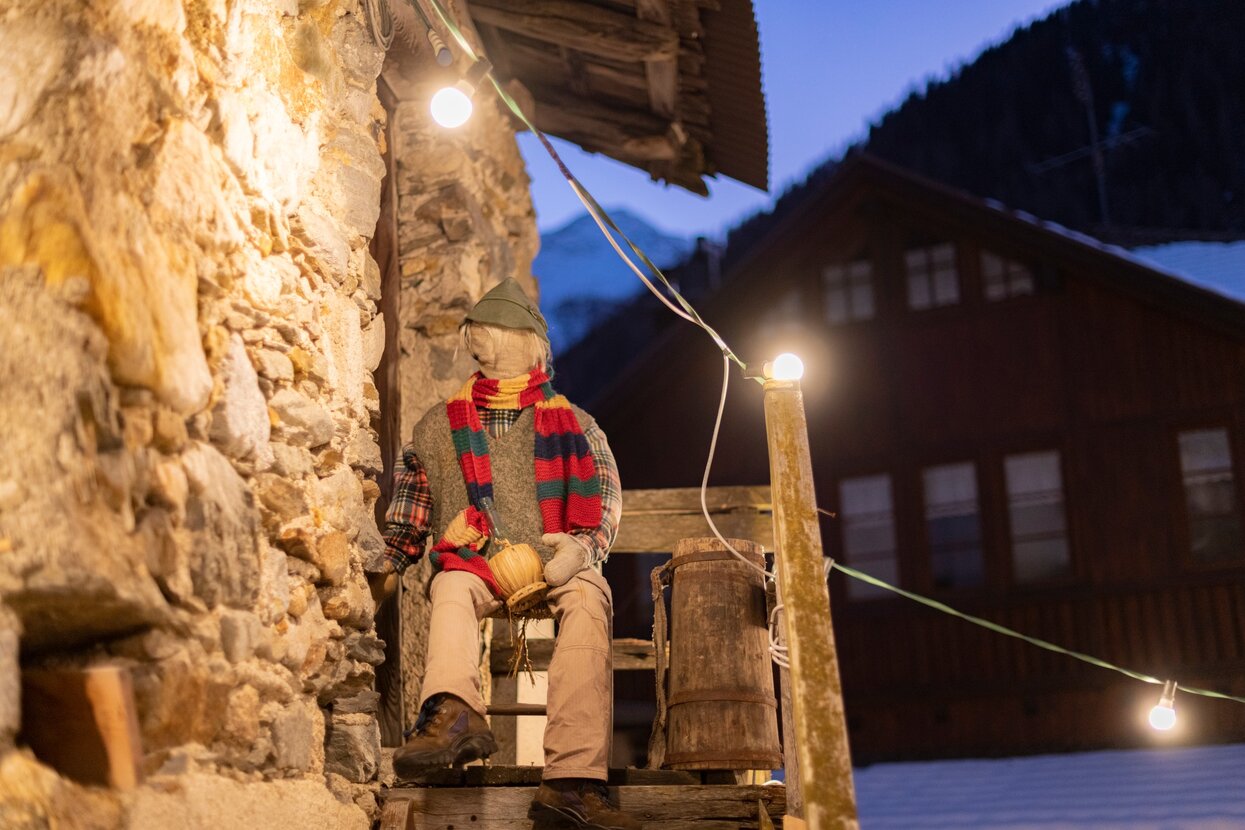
x=862 y=176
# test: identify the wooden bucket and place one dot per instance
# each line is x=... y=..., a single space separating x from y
x=722 y=710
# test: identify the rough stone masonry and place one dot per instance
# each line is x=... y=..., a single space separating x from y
x=188 y=331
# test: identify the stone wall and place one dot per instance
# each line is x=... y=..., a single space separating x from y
x=188 y=329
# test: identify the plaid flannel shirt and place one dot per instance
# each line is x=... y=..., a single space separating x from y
x=408 y=519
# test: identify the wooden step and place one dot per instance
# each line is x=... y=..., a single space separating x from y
x=498 y=775
x=659 y=807
x=629 y=655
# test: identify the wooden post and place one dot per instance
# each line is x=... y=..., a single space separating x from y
x=384 y=249
x=83 y=723
x=817 y=696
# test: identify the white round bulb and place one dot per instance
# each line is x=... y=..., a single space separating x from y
x=451 y=107
x=787 y=367
x=1162 y=717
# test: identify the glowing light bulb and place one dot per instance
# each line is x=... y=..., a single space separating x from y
x=451 y=106
x=786 y=367
x=1163 y=716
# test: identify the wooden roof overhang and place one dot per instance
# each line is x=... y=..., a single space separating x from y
x=672 y=87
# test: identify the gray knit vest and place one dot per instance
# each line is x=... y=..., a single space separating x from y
x=514 y=475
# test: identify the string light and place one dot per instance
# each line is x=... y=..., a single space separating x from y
x=785 y=367
x=1163 y=716
x=451 y=106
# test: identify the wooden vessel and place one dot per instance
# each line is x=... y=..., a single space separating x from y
x=722 y=709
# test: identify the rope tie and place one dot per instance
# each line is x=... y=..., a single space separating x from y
x=660 y=578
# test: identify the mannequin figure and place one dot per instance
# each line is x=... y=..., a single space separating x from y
x=509 y=437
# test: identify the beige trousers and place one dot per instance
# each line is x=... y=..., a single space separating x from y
x=581 y=679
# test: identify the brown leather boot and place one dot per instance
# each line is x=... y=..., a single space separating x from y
x=448 y=733
x=581 y=802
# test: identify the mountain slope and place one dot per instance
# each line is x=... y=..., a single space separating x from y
x=582 y=280
x=1165 y=78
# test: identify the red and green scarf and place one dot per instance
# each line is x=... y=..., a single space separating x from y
x=568 y=489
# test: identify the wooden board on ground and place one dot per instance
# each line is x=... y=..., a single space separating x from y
x=83 y=723
x=685 y=807
x=653 y=520
x=629 y=654
x=512 y=776
x=396 y=815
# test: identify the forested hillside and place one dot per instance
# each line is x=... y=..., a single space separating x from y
x=1167 y=80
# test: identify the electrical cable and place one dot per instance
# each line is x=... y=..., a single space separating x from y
x=1001 y=629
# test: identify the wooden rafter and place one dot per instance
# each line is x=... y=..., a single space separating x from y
x=636 y=134
x=590 y=29
x=662 y=73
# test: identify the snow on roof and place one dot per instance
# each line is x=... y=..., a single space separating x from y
x=1214 y=266
x=1189 y=788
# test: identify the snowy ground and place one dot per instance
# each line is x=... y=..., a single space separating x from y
x=1194 y=788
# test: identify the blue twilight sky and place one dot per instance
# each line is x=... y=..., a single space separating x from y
x=829 y=68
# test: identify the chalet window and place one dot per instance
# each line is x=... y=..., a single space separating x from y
x=848 y=291
x=953 y=525
x=1210 y=495
x=867 y=516
x=1036 y=508
x=933 y=279
x=1004 y=278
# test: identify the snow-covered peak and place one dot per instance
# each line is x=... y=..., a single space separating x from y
x=581 y=277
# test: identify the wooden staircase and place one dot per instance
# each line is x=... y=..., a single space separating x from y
x=497 y=798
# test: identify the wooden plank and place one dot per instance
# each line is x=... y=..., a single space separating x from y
x=636 y=133
x=662 y=74
x=590 y=29
x=629 y=655
x=688 y=807
x=84 y=724
x=530 y=776
x=517 y=709
x=653 y=520
x=396 y=815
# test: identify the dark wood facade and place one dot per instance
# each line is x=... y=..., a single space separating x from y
x=1098 y=363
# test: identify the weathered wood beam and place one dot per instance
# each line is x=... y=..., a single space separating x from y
x=653 y=520
x=84 y=724
x=629 y=655
x=631 y=133
x=687 y=807
x=396 y=815
x=590 y=29
x=498 y=775
x=662 y=73
x=498 y=50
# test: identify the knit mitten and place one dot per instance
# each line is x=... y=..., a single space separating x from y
x=569 y=558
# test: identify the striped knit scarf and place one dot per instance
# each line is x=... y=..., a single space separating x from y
x=568 y=488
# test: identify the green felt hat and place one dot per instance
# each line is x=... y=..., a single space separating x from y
x=506 y=305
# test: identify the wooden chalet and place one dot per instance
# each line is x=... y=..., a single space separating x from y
x=1006 y=416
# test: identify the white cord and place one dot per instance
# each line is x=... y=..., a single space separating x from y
x=704 y=482
x=618 y=250
x=778 y=652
